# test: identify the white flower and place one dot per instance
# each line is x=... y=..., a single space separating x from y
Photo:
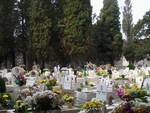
x=50 y=96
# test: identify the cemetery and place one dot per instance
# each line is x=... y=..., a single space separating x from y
x=90 y=90
x=74 y=56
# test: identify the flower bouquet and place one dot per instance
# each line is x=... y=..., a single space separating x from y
x=50 y=83
x=69 y=100
x=46 y=100
x=18 y=74
x=131 y=93
x=5 y=101
x=20 y=106
x=20 y=80
x=57 y=91
x=101 y=72
x=93 y=106
x=131 y=107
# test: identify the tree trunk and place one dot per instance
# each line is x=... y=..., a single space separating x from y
x=0 y=64
x=29 y=61
x=112 y=61
x=5 y=62
x=24 y=58
x=13 y=57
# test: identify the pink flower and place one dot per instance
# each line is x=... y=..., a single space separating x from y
x=120 y=92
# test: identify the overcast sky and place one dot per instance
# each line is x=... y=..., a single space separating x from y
x=139 y=7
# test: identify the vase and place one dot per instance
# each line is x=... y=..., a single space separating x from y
x=19 y=88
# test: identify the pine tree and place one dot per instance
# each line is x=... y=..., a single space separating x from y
x=75 y=28
x=109 y=38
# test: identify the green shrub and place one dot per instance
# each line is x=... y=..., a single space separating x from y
x=131 y=66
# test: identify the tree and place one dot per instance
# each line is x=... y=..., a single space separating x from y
x=7 y=27
x=22 y=28
x=127 y=22
x=127 y=26
x=129 y=51
x=142 y=35
x=57 y=55
x=40 y=13
x=142 y=28
x=109 y=38
x=76 y=24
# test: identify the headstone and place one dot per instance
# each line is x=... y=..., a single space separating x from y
x=115 y=74
x=139 y=80
x=9 y=78
x=124 y=61
x=84 y=96
x=68 y=79
x=104 y=89
x=3 y=72
x=146 y=84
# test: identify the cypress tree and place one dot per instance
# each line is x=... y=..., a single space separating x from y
x=109 y=38
x=40 y=13
x=76 y=23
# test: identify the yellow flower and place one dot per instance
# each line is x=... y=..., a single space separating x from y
x=57 y=81
x=68 y=98
x=42 y=81
x=5 y=96
x=91 y=83
x=92 y=104
x=57 y=90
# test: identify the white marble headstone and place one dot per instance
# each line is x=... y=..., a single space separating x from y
x=146 y=84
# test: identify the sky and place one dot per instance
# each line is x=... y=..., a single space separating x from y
x=139 y=7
